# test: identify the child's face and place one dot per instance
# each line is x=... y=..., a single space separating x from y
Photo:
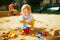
x=26 y=10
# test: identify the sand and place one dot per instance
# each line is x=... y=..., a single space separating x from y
x=48 y=21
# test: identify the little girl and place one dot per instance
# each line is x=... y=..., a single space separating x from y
x=11 y=7
x=27 y=17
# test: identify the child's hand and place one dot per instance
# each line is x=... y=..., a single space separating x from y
x=23 y=21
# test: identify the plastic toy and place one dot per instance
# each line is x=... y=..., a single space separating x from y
x=33 y=35
x=25 y=26
x=39 y=32
x=44 y=34
x=26 y=29
x=12 y=34
x=40 y=36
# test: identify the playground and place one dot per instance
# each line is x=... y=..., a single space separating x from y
x=48 y=23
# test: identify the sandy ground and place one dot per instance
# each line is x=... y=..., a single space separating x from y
x=48 y=21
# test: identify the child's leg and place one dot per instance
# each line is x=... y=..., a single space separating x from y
x=31 y=23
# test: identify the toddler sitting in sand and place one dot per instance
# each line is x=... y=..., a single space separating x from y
x=27 y=17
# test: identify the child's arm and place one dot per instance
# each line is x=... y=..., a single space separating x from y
x=29 y=18
x=23 y=20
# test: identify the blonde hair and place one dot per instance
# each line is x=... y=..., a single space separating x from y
x=24 y=6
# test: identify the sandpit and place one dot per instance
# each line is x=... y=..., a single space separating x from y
x=43 y=21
